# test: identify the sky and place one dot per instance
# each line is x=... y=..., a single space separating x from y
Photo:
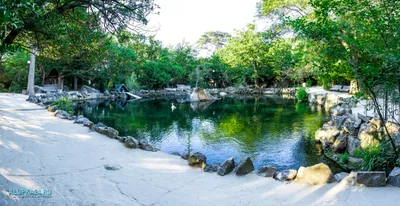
x=188 y=19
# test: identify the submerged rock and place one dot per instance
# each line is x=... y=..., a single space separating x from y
x=266 y=171
x=244 y=167
x=197 y=159
x=131 y=142
x=370 y=178
x=286 y=175
x=226 y=167
x=315 y=175
x=394 y=177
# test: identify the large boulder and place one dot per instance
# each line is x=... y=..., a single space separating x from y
x=337 y=111
x=200 y=94
x=108 y=131
x=315 y=175
x=363 y=118
x=393 y=128
x=370 y=178
x=197 y=159
x=349 y=125
x=266 y=171
x=340 y=144
x=286 y=175
x=353 y=144
x=130 y=142
x=376 y=121
x=244 y=167
x=394 y=177
x=368 y=135
x=226 y=167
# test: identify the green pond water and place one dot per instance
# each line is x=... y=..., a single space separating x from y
x=271 y=131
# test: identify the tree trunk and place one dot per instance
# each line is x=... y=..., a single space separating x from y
x=256 y=79
x=60 y=81
x=75 y=83
x=31 y=77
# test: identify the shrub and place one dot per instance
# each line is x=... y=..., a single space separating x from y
x=377 y=157
x=64 y=104
x=344 y=158
x=309 y=83
x=301 y=95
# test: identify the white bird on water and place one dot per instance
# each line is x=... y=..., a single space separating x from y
x=173 y=107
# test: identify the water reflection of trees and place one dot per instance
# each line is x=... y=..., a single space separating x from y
x=245 y=121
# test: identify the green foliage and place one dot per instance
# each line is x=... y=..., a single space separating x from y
x=64 y=104
x=301 y=94
x=377 y=157
x=14 y=76
x=344 y=158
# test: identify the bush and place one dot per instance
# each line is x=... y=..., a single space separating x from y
x=344 y=158
x=309 y=83
x=64 y=104
x=377 y=157
x=302 y=95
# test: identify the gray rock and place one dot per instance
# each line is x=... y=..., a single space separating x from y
x=107 y=93
x=112 y=133
x=211 y=167
x=145 y=145
x=286 y=175
x=62 y=114
x=368 y=135
x=370 y=178
x=131 y=142
x=121 y=139
x=315 y=175
x=363 y=118
x=95 y=126
x=226 y=167
x=88 y=123
x=357 y=124
x=52 y=108
x=176 y=154
x=337 y=111
x=266 y=171
x=112 y=167
x=197 y=159
x=341 y=176
x=340 y=144
x=87 y=89
x=244 y=167
x=394 y=177
x=326 y=136
x=352 y=144
x=185 y=156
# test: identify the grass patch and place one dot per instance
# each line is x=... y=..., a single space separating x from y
x=344 y=158
x=64 y=104
x=377 y=157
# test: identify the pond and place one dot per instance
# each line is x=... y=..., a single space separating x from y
x=270 y=130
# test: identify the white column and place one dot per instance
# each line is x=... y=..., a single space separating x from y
x=31 y=77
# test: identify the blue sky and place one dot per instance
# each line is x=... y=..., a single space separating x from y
x=189 y=19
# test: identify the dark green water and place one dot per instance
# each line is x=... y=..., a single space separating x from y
x=272 y=131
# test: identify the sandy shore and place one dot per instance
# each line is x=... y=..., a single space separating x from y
x=38 y=151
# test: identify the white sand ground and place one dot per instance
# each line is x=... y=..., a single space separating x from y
x=38 y=151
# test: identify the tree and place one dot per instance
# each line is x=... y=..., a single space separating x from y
x=213 y=40
x=29 y=16
x=246 y=50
